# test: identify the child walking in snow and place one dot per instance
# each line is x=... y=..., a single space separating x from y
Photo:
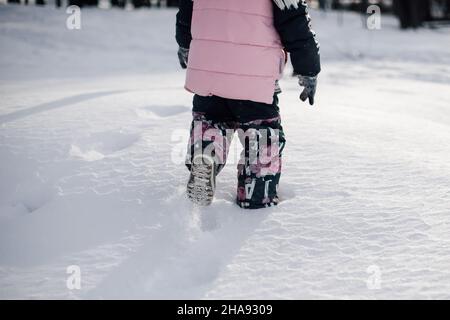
x=235 y=52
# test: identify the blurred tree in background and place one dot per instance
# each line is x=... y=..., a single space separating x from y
x=411 y=13
x=116 y=3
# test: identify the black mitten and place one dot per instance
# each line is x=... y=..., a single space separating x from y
x=183 y=55
x=309 y=91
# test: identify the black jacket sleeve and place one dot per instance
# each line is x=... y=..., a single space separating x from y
x=293 y=26
x=183 y=25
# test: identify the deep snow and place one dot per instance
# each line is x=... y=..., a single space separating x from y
x=93 y=129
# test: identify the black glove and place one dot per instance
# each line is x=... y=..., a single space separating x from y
x=183 y=54
x=310 y=84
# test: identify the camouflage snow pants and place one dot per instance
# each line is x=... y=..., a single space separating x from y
x=258 y=125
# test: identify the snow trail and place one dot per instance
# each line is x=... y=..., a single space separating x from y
x=93 y=129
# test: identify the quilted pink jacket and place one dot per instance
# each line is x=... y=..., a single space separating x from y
x=235 y=52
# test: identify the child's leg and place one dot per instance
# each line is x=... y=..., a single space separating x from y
x=259 y=169
x=211 y=131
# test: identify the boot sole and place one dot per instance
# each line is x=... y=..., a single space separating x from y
x=200 y=190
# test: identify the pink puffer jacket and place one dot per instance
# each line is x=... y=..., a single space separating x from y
x=235 y=52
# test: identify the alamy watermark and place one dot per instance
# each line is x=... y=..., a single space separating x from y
x=373 y=21
x=73 y=281
x=373 y=282
x=263 y=146
x=73 y=21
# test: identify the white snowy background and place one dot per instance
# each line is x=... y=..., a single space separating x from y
x=93 y=128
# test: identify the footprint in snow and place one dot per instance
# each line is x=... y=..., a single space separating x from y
x=161 y=111
x=98 y=145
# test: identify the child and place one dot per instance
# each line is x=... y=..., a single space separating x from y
x=235 y=52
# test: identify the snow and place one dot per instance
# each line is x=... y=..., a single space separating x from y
x=93 y=129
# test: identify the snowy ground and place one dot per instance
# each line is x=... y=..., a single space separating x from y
x=93 y=126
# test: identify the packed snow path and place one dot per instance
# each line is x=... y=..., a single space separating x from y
x=93 y=129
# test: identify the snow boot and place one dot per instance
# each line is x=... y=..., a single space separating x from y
x=202 y=181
